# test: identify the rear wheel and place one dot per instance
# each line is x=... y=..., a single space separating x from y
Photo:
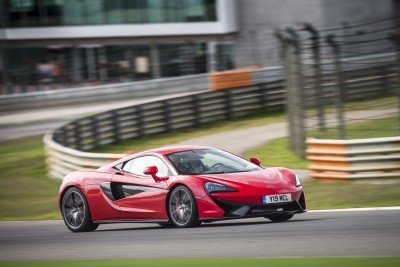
x=280 y=217
x=182 y=208
x=75 y=211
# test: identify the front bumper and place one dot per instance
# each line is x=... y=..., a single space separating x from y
x=236 y=210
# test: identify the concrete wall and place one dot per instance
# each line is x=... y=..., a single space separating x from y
x=256 y=45
x=334 y=12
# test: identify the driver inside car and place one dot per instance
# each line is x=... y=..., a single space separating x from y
x=192 y=165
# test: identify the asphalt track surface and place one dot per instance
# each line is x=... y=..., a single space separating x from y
x=340 y=233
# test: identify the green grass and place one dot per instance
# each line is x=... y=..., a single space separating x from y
x=277 y=152
x=320 y=195
x=220 y=262
x=25 y=190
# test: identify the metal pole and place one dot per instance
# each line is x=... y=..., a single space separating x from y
x=330 y=40
x=285 y=54
x=298 y=87
x=396 y=42
x=319 y=94
x=3 y=51
x=254 y=47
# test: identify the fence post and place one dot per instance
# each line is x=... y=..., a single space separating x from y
x=288 y=83
x=263 y=91
x=318 y=92
x=330 y=40
x=140 y=121
x=396 y=42
x=196 y=110
x=295 y=97
x=115 y=122
x=95 y=132
x=228 y=104
x=77 y=134
x=167 y=116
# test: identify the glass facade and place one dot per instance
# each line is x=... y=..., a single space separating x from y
x=183 y=59
x=52 y=67
x=40 y=13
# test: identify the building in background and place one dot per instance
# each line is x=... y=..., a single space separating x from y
x=65 y=43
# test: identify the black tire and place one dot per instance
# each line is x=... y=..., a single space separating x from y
x=182 y=208
x=76 y=212
x=280 y=217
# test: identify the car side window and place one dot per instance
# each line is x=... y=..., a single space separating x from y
x=119 y=166
x=137 y=166
x=127 y=166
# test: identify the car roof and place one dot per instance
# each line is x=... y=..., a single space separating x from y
x=171 y=149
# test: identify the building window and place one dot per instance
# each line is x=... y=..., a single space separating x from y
x=174 y=11
x=154 y=11
x=182 y=59
x=127 y=63
x=24 y=13
x=114 y=11
x=53 y=12
x=73 y=12
x=225 y=56
x=93 y=11
x=36 y=13
x=134 y=11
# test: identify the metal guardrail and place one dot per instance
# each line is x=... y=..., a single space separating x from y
x=62 y=160
x=357 y=159
x=63 y=145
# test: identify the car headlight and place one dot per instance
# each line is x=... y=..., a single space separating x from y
x=297 y=181
x=212 y=187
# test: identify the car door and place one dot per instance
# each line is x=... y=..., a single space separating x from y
x=137 y=194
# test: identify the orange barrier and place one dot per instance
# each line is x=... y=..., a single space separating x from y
x=357 y=159
x=231 y=78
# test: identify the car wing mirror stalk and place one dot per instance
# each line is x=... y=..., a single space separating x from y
x=256 y=161
x=152 y=171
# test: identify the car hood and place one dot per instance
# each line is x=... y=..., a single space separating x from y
x=259 y=178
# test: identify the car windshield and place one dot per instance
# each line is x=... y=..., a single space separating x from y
x=209 y=161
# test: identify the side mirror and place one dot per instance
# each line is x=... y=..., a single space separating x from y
x=255 y=161
x=152 y=170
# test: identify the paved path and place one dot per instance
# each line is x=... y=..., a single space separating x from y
x=344 y=233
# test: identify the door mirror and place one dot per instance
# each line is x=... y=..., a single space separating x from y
x=152 y=170
x=255 y=161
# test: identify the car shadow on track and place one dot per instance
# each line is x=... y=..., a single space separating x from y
x=209 y=225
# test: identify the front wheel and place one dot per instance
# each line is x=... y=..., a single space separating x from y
x=182 y=208
x=75 y=211
x=280 y=217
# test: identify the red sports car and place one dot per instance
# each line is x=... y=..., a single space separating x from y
x=181 y=186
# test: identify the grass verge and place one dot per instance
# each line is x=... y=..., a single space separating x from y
x=25 y=190
x=320 y=195
x=221 y=262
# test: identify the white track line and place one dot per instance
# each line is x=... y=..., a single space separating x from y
x=358 y=209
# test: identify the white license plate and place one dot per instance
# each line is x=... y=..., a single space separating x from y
x=277 y=198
